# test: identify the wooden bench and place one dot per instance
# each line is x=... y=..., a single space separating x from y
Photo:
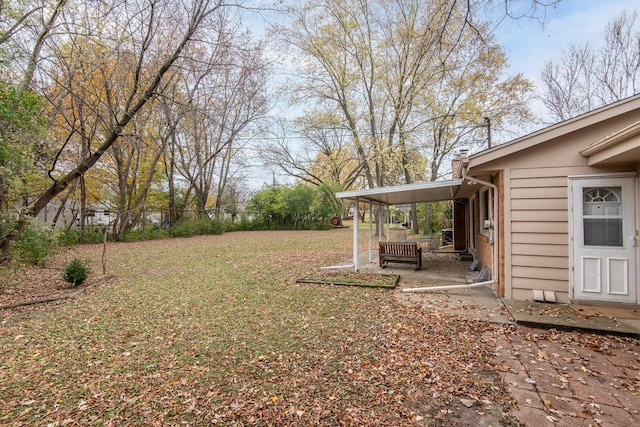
x=402 y=252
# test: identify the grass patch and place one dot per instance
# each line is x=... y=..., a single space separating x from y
x=349 y=278
x=214 y=330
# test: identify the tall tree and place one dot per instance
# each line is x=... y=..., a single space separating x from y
x=585 y=78
x=326 y=157
x=391 y=70
x=471 y=94
x=138 y=28
x=349 y=46
x=23 y=149
x=224 y=100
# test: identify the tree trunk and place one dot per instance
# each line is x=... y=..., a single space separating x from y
x=413 y=216
x=57 y=187
x=63 y=204
x=83 y=203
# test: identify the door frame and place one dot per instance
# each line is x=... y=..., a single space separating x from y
x=472 y=223
x=572 y=220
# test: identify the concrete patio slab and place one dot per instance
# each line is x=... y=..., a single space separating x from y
x=602 y=319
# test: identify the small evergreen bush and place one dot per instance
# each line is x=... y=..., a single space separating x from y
x=76 y=272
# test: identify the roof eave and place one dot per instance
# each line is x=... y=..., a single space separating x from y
x=611 y=140
x=409 y=193
x=555 y=131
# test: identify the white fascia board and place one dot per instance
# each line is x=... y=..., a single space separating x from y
x=408 y=193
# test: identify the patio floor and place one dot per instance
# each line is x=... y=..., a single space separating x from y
x=481 y=303
x=443 y=269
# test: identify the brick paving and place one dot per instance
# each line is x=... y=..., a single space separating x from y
x=570 y=378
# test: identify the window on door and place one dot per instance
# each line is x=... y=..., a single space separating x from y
x=602 y=216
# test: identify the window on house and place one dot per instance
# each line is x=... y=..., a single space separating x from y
x=602 y=216
x=484 y=211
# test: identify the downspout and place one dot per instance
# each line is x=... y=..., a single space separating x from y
x=494 y=219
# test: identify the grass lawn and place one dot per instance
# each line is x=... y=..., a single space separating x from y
x=215 y=330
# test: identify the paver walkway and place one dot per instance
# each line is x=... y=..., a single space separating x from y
x=571 y=379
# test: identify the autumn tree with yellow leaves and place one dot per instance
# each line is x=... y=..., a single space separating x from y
x=408 y=81
x=118 y=78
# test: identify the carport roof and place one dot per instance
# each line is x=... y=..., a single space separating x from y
x=409 y=193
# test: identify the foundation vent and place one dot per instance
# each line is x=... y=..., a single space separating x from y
x=544 y=296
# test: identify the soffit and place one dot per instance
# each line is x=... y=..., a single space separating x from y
x=620 y=147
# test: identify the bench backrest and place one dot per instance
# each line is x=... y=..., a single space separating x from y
x=399 y=248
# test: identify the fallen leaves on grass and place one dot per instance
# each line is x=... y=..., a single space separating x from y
x=203 y=330
x=31 y=283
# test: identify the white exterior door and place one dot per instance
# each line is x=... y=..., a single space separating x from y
x=603 y=239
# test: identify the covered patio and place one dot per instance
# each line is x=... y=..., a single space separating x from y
x=440 y=270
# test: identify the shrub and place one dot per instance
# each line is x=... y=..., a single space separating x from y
x=244 y=225
x=255 y=225
x=196 y=227
x=33 y=246
x=151 y=233
x=76 y=272
x=301 y=207
x=76 y=235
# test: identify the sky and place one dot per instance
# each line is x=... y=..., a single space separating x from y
x=528 y=43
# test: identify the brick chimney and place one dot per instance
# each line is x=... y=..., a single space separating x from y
x=456 y=163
